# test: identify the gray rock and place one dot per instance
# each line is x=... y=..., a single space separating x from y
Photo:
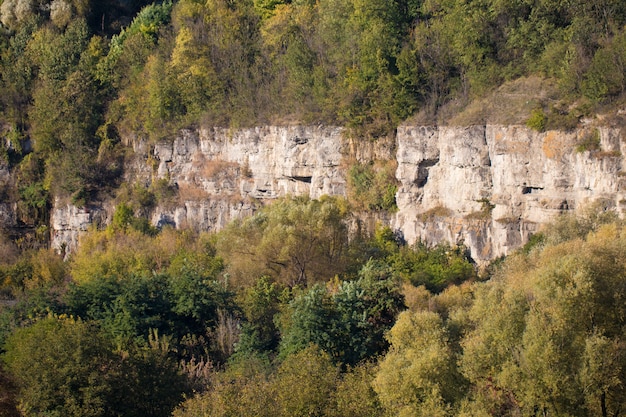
x=488 y=187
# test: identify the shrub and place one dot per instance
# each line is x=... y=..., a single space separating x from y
x=537 y=120
x=373 y=186
x=590 y=142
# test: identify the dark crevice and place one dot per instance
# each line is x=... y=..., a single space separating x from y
x=531 y=190
x=422 y=171
x=301 y=179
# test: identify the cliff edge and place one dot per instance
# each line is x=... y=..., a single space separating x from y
x=488 y=187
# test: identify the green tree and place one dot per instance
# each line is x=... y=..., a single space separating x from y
x=547 y=333
x=354 y=395
x=197 y=294
x=605 y=76
x=126 y=309
x=348 y=323
x=419 y=376
x=260 y=304
x=60 y=366
x=67 y=367
x=297 y=241
x=366 y=309
x=18 y=74
x=373 y=186
x=436 y=267
x=315 y=375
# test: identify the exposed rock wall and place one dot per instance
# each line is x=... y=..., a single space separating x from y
x=221 y=173
x=488 y=187
x=491 y=186
x=67 y=222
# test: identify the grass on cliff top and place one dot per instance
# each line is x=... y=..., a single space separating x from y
x=515 y=102
x=510 y=104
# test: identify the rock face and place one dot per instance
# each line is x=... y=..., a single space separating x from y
x=221 y=174
x=488 y=187
x=68 y=222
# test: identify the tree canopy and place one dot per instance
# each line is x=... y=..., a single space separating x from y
x=78 y=75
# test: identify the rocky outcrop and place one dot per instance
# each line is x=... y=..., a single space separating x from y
x=68 y=222
x=488 y=187
x=222 y=174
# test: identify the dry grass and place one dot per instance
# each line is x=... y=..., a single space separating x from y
x=214 y=169
x=510 y=104
x=478 y=215
x=608 y=154
x=435 y=212
x=217 y=169
x=191 y=192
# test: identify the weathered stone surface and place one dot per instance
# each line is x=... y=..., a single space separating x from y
x=266 y=162
x=488 y=187
x=68 y=222
x=495 y=185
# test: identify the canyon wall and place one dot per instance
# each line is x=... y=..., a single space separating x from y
x=488 y=187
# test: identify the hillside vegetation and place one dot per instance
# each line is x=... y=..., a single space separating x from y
x=79 y=75
x=286 y=313
x=136 y=320
x=279 y=317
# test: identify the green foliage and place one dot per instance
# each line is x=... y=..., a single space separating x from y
x=197 y=294
x=368 y=66
x=59 y=366
x=354 y=395
x=310 y=322
x=260 y=304
x=173 y=289
x=125 y=309
x=145 y=24
x=537 y=120
x=366 y=309
x=66 y=367
x=296 y=241
x=314 y=395
x=163 y=191
x=605 y=76
x=419 y=376
x=436 y=268
x=348 y=324
x=151 y=383
x=33 y=204
x=579 y=224
x=124 y=216
x=251 y=388
x=543 y=336
x=553 y=308
x=590 y=142
x=373 y=186
x=534 y=241
x=243 y=389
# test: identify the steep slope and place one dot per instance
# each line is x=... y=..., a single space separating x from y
x=488 y=187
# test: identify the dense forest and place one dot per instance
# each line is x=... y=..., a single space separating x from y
x=281 y=314
x=292 y=312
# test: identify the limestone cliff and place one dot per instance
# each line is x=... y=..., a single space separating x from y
x=491 y=186
x=488 y=187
